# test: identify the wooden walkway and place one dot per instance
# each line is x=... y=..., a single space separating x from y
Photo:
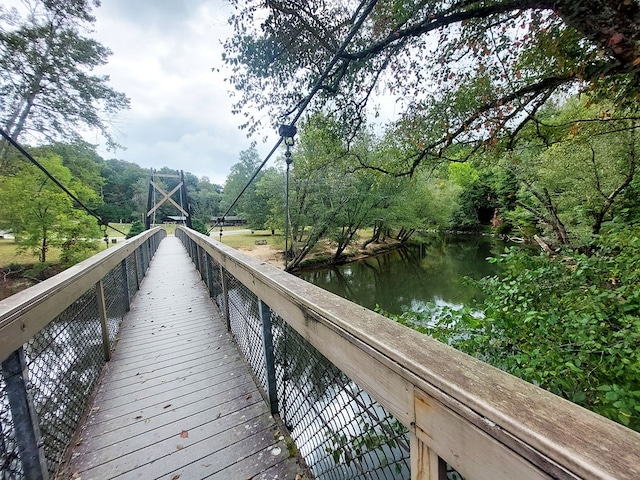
x=177 y=400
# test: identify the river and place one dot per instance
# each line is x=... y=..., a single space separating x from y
x=414 y=278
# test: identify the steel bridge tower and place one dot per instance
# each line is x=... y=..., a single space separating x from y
x=182 y=203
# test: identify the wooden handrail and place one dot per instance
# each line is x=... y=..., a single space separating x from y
x=484 y=422
x=26 y=313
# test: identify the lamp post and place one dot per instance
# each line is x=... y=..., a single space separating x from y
x=287 y=132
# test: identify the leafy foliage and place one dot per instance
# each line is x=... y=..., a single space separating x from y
x=137 y=228
x=568 y=324
x=46 y=83
x=199 y=226
x=251 y=205
x=468 y=72
x=41 y=215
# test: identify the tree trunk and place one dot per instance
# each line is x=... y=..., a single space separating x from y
x=375 y=237
x=16 y=123
x=609 y=199
x=43 y=248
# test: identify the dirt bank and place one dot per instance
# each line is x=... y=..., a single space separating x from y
x=275 y=256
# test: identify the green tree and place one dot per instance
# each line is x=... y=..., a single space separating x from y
x=82 y=161
x=46 y=61
x=466 y=72
x=331 y=198
x=205 y=200
x=570 y=324
x=477 y=199
x=572 y=182
x=251 y=206
x=41 y=215
x=137 y=228
x=199 y=226
x=271 y=187
x=124 y=192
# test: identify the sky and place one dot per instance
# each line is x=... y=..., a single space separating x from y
x=163 y=55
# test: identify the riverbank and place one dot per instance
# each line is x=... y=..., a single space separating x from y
x=321 y=257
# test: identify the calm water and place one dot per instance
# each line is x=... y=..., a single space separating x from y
x=414 y=277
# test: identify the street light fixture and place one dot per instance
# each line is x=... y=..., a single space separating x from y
x=287 y=132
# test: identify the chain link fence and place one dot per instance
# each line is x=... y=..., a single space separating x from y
x=10 y=464
x=62 y=364
x=340 y=431
x=64 y=361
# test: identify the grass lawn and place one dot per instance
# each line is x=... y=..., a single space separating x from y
x=9 y=254
x=237 y=240
x=9 y=250
x=122 y=227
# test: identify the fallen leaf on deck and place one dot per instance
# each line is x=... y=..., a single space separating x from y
x=249 y=396
x=179 y=447
x=138 y=417
x=167 y=405
x=184 y=434
x=175 y=477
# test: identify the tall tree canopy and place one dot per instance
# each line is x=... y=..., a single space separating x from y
x=468 y=72
x=46 y=83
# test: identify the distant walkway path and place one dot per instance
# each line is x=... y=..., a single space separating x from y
x=177 y=400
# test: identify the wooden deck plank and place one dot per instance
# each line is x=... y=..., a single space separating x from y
x=138 y=400
x=147 y=374
x=201 y=457
x=135 y=422
x=177 y=398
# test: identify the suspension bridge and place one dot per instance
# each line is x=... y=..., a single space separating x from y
x=179 y=357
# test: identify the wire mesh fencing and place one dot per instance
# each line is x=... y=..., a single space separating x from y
x=10 y=464
x=117 y=300
x=339 y=430
x=61 y=365
x=64 y=362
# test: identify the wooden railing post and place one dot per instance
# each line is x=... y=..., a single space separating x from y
x=102 y=311
x=23 y=413
x=143 y=260
x=267 y=342
x=225 y=297
x=425 y=463
x=125 y=279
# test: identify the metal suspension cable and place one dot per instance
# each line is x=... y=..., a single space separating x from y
x=336 y=57
x=55 y=180
x=302 y=106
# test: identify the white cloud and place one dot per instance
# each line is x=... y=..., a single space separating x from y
x=163 y=55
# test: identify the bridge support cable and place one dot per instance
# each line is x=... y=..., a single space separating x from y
x=366 y=8
x=29 y=157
